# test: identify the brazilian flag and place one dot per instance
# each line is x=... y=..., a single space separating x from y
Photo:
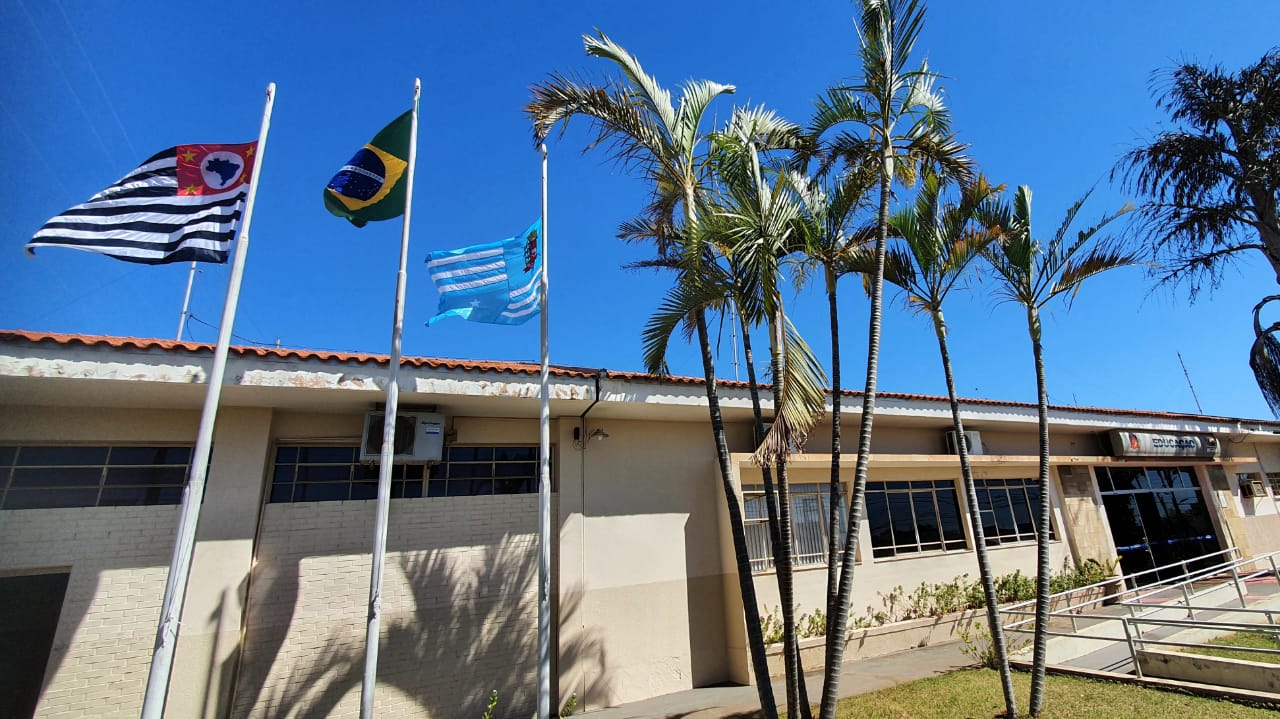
x=370 y=186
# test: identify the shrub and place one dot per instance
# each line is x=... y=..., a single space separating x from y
x=936 y=600
x=976 y=644
x=493 y=703
x=1014 y=587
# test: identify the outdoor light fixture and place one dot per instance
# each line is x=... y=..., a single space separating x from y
x=597 y=434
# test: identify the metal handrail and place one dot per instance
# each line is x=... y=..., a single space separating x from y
x=1226 y=574
x=1200 y=574
x=1160 y=588
x=1124 y=577
x=1133 y=636
x=1197 y=624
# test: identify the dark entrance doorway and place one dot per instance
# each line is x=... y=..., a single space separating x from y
x=29 y=609
x=1158 y=516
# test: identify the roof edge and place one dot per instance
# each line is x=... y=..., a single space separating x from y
x=529 y=368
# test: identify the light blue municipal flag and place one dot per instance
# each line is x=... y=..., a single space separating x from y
x=496 y=282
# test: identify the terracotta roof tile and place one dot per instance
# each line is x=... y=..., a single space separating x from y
x=528 y=368
x=286 y=353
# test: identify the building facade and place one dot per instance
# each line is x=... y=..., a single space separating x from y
x=95 y=443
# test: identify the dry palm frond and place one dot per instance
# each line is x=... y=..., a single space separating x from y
x=1264 y=358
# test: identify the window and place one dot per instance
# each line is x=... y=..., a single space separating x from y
x=485 y=470
x=80 y=476
x=1274 y=479
x=810 y=524
x=326 y=474
x=913 y=516
x=1008 y=510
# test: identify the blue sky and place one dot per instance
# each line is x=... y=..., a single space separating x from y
x=1047 y=95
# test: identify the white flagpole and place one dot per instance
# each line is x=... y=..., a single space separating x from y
x=372 y=629
x=193 y=494
x=186 y=301
x=544 y=485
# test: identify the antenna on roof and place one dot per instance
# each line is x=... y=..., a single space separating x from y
x=1199 y=409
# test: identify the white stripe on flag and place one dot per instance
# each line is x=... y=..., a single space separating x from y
x=213 y=224
x=470 y=270
x=451 y=259
x=530 y=298
x=517 y=292
x=459 y=286
x=521 y=313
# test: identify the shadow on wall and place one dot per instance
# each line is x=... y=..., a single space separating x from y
x=472 y=630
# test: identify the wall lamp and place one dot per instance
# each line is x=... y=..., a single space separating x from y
x=597 y=434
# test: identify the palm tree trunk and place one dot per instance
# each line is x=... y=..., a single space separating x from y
x=975 y=519
x=750 y=606
x=766 y=472
x=796 y=707
x=1043 y=568
x=838 y=623
x=770 y=491
x=786 y=594
x=833 y=509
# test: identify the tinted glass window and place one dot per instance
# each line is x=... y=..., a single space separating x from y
x=318 y=474
x=61 y=456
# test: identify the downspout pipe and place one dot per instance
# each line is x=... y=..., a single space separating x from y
x=582 y=418
x=582 y=494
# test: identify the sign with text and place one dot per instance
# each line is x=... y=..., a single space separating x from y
x=1125 y=443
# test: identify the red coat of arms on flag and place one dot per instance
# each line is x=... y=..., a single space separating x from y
x=214 y=169
x=530 y=250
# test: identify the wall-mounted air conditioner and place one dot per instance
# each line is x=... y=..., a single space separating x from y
x=419 y=437
x=972 y=440
x=1252 y=488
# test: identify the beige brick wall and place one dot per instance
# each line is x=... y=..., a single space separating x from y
x=459 y=609
x=118 y=558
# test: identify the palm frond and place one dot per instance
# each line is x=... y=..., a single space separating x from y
x=1264 y=357
x=675 y=311
x=619 y=121
x=1076 y=271
x=650 y=92
x=799 y=398
x=695 y=99
x=1264 y=360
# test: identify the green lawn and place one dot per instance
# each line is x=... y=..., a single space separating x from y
x=1243 y=639
x=975 y=694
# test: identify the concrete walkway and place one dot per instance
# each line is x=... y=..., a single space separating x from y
x=859 y=676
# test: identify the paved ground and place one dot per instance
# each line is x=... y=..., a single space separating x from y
x=864 y=675
x=858 y=677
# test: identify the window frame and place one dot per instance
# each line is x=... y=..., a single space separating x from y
x=985 y=486
x=958 y=540
x=757 y=526
x=110 y=488
x=408 y=481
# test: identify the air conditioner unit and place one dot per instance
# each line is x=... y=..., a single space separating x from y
x=418 y=439
x=1253 y=488
x=972 y=440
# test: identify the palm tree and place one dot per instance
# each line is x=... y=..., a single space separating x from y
x=937 y=245
x=904 y=123
x=1213 y=183
x=722 y=287
x=635 y=118
x=756 y=217
x=1031 y=274
x=831 y=244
